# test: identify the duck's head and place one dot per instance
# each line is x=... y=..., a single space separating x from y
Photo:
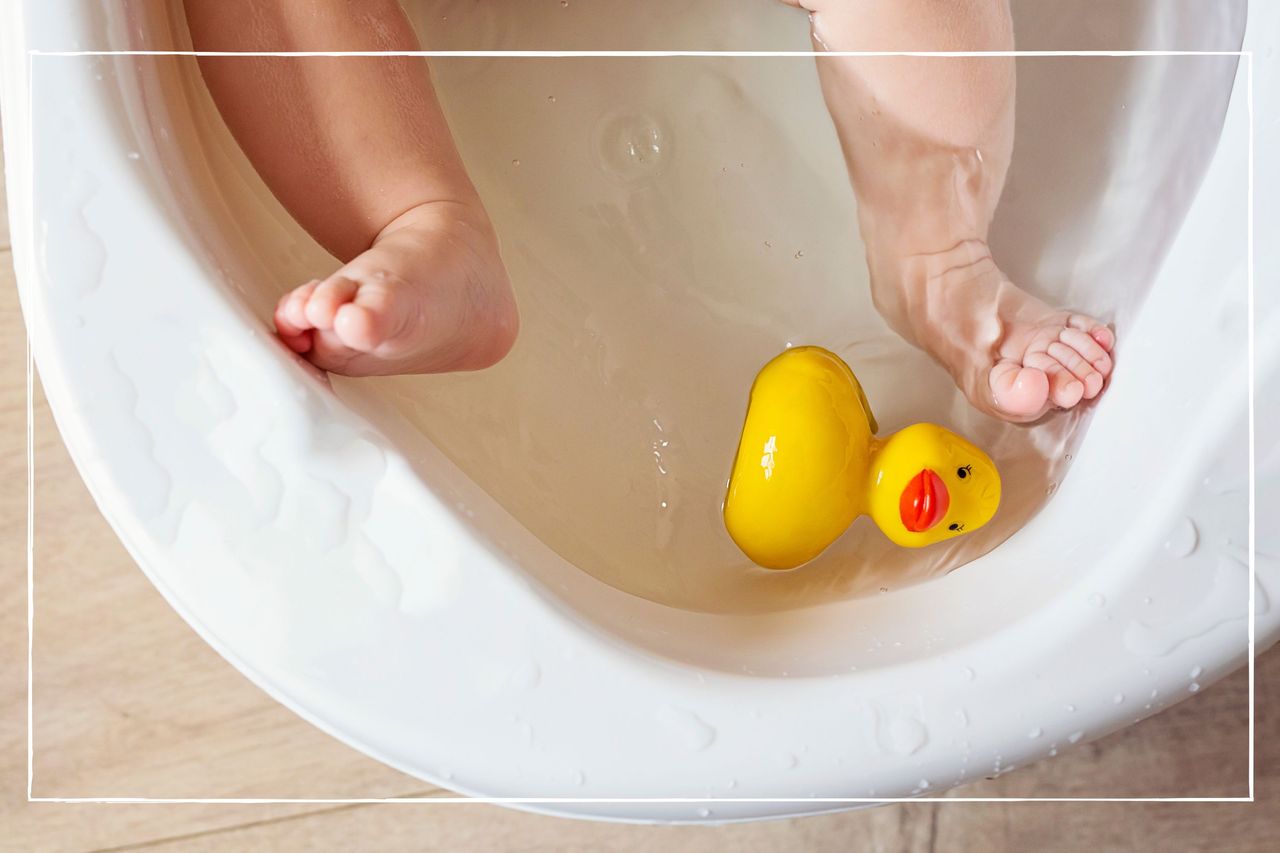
x=927 y=484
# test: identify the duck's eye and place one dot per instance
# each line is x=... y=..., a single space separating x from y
x=955 y=525
x=964 y=471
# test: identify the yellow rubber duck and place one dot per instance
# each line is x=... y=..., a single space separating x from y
x=809 y=463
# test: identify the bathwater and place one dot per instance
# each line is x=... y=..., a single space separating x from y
x=670 y=224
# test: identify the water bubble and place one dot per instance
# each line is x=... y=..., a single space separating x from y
x=907 y=735
x=1183 y=539
x=632 y=147
x=696 y=734
x=1217 y=607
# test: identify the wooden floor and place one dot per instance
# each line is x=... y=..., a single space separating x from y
x=129 y=702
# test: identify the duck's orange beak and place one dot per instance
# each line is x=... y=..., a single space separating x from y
x=924 y=501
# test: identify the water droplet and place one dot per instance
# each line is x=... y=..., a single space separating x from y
x=1118 y=698
x=515 y=162
x=1193 y=687
x=1182 y=539
x=799 y=254
x=632 y=147
x=1146 y=599
x=702 y=812
x=693 y=731
x=969 y=674
x=1053 y=487
x=551 y=98
x=790 y=761
x=579 y=778
x=1223 y=603
x=1035 y=733
x=1074 y=737
x=1195 y=672
x=907 y=735
x=134 y=155
x=1071 y=709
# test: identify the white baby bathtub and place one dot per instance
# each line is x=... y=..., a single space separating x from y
x=340 y=561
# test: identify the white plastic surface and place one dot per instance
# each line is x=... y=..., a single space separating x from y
x=345 y=567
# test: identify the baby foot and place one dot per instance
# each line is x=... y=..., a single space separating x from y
x=928 y=142
x=1013 y=356
x=430 y=295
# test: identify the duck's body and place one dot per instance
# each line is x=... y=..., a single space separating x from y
x=809 y=463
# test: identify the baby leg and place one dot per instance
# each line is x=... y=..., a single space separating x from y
x=357 y=150
x=928 y=141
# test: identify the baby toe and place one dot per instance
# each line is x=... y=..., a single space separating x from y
x=1088 y=347
x=327 y=298
x=1065 y=390
x=1104 y=336
x=359 y=327
x=293 y=308
x=1019 y=392
x=1079 y=367
x=378 y=316
x=328 y=352
x=1095 y=330
x=295 y=336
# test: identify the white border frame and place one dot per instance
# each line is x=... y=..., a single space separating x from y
x=1247 y=55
